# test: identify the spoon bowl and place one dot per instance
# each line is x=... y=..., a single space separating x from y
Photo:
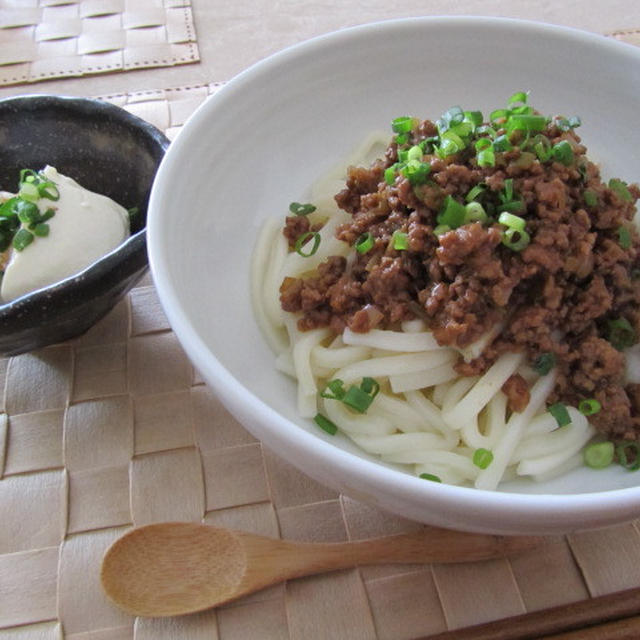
x=175 y=568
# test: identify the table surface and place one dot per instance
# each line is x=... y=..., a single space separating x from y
x=91 y=444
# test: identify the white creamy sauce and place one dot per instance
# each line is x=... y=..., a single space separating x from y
x=85 y=227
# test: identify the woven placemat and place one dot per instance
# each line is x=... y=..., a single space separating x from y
x=116 y=429
x=46 y=39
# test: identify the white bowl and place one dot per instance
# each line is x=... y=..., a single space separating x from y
x=268 y=134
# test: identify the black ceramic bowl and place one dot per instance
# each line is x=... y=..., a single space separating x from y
x=106 y=150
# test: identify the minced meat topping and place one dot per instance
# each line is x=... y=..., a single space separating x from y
x=558 y=273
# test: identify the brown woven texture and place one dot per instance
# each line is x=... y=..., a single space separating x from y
x=44 y=39
x=116 y=429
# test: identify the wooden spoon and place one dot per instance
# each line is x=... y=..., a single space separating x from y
x=180 y=567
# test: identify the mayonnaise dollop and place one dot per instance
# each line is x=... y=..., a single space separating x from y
x=85 y=227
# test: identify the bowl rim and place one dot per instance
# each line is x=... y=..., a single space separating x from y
x=135 y=243
x=559 y=508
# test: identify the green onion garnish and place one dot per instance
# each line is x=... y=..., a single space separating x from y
x=544 y=363
x=430 y=476
x=364 y=243
x=41 y=230
x=624 y=237
x=526 y=122
x=27 y=211
x=621 y=334
x=334 y=390
x=589 y=406
x=452 y=213
x=357 y=399
x=620 y=189
x=441 y=229
x=390 y=174
x=325 y=424
x=22 y=239
x=501 y=143
x=518 y=96
x=475 y=117
x=477 y=191
x=590 y=198
x=416 y=172
x=486 y=158
x=562 y=152
x=511 y=221
x=482 y=458
x=599 y=455
x=303 y=239
x=560 y=413
x=301 y=209
x=400 y=241
x=403 y=124
x=515 y=240
x=628 y=454
x=474 y=212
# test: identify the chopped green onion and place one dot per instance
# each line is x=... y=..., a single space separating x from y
x=475 y=192
x=544 y=363
x=452 y=213
x=415 y=153
x=357 y=399
x=430 y=476
x=301 y=209
x=624 y=237
x=511 y=221
x=519 y=96
x=48 y=190
x=486 y=158
x=29 y=191
x=334 y=390
x=482 y=458
x=364 y=243
x=474 y=212
x=590 y=198
x=483 y=143
x=27 y=211
x=303 y=239
x=562 y=152
x=589 y=406
x=560 y=413
x=41 y=230
x=498 y=114
x=370 y=386
x=400 y=241
x=325 y=424
x=515 y=240
x=501 y=143
x=416 y=172
x=403 y=124
x=449 y=118
x=475 y=117
x=599 y=455
x=620 y=189
x=621 y=334
x=402 y=138
x=542 y=147
x=22 y=239
x=630 y=462
x=441 y=229
x=526 y=122
x=390 y=174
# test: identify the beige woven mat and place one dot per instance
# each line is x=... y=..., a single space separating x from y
x=116 y=429
x=44 y=39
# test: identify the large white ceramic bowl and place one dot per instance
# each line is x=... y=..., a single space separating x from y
x=261 y=141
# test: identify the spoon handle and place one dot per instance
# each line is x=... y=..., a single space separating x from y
x=285 y=560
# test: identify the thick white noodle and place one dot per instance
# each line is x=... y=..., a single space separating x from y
x=425 y=416
x=393 y=340
x=394 y=365
x=260 y=264
x=468 y=408
x=490 y=477
x=422 y=379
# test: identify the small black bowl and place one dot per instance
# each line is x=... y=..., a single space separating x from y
x=106 y=150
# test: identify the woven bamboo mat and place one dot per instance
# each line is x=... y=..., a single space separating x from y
x=44 y=39
x=116 y=429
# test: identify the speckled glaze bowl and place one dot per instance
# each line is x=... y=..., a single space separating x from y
x=105 y=149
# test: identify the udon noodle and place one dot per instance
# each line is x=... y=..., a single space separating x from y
x=425 y=417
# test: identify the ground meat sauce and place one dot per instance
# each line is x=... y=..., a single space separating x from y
x=557 y=295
